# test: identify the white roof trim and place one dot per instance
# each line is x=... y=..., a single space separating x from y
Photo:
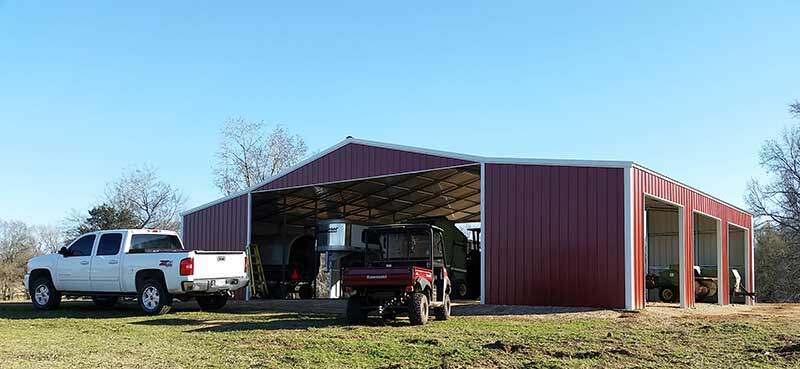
x=690 y=188
x=473 y=158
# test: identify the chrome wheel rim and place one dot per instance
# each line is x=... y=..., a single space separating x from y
x=42 y=294
x=150 y=298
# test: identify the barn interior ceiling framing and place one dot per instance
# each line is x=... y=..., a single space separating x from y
x=453 y=193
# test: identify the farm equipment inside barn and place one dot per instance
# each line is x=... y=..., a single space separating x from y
x=284 y=267
x=706 y=284
x=667 y=282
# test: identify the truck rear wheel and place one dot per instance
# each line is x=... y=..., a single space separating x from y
x=105 y=302
x=355 y=310
x=443 y=312
x=212 y=302
x=418 y=309
x=154 y=298
x=44 y=295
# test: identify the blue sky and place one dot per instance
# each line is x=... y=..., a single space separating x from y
x=87 y=89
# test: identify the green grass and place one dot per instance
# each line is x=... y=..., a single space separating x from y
x=79 y=335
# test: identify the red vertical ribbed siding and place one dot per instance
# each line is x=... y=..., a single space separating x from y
x=647 y=183
x=554 y=235
x=353 y=161
x=220 y=227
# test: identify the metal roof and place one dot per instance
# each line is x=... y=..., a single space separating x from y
x=471 y=158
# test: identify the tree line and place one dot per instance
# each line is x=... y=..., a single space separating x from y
x=775 y=204
x=248 y=153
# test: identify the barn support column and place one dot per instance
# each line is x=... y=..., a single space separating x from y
x=249 y=235
x=685 y=233
x=630 y=295
x=751 y=286
x=483 y=232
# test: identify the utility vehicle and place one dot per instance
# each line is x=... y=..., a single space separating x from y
x=404 y=273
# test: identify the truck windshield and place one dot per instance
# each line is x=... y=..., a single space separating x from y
x=404 y=244
x=154 y=243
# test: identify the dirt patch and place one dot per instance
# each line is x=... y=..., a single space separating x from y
x=630 y=315
x=423 y=341
x=507 y=348
x=790 y=350
x=590 y=354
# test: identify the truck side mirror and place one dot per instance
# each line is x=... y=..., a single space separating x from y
x=63 y=251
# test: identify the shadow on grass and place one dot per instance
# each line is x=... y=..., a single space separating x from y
x=83 y=309
x=68 y=309
x=268 y=322
x=262 y=322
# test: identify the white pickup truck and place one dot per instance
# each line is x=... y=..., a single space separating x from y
x=150 y=265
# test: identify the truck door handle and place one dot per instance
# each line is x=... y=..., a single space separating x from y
x=113 y=261
x=84 y=263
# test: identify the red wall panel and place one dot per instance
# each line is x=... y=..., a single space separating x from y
x=220 y=227
x=353 y=161
x=554 y=235
x=648 y=183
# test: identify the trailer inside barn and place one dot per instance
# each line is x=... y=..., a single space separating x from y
x=551 y=232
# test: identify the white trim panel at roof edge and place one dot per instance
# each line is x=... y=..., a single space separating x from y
x=690 y=188
x=473 y=158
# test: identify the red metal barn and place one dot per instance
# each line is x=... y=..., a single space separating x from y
x=553 y=232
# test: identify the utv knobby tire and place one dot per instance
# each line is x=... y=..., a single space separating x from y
x=355 y=310
x=105 y=302
x=418 y=309
x=212 y=302
x=443 y=312
x=154 y=298
x=44 y=284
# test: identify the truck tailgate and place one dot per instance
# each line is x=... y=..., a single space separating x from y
x=208 y=264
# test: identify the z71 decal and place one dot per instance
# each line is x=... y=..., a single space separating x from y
x=165 y=263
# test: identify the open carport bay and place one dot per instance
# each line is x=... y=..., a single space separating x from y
x=286 y=223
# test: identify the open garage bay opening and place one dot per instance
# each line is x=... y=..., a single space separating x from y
x=303 y=236
x=707 y=258
x=737 y=263
x=662 y=251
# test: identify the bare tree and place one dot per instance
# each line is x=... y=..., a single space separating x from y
x=17 y=245
x=794 y=109
x=248 y=155
x=779 y=200
x=776 y=205
x=153 y=202
x=49 y=238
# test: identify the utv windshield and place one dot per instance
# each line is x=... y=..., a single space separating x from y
x=402 y=244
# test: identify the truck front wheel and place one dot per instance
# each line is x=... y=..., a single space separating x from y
x=212 y=302
x=154 y=298
x=418 y=309
x=44 y=295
